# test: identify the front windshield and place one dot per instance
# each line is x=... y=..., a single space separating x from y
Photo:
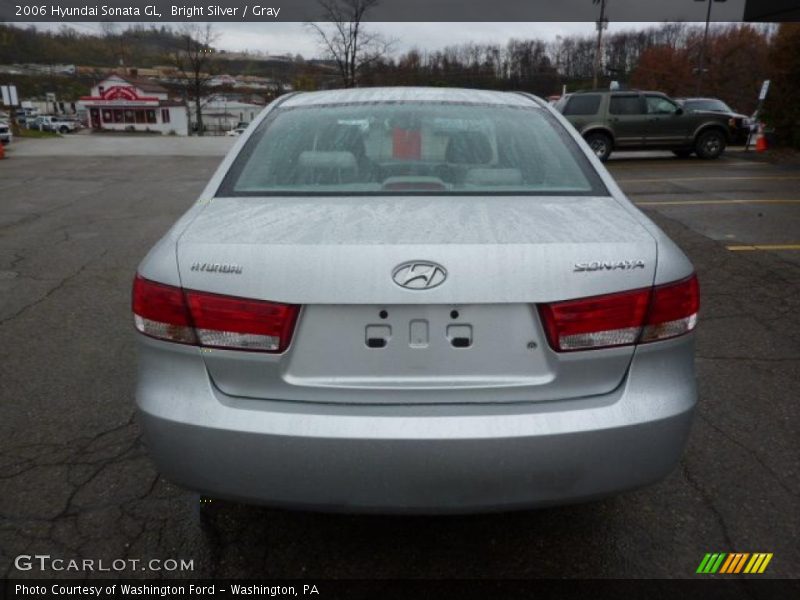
x=411 y=148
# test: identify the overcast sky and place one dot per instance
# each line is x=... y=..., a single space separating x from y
x=295 y=38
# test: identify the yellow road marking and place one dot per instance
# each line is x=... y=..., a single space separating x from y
x=701 y=202
x=623 y=164
x=753 y=247
x=670 y=179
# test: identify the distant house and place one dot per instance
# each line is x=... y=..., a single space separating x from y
x=221 y=113
x=123 y=103
x=221 y=80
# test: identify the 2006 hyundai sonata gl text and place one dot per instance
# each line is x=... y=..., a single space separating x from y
x=414 y=300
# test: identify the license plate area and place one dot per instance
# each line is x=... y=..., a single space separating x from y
x=418 y=345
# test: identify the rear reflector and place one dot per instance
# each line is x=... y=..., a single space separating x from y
x=622 y=319
x=213 y=320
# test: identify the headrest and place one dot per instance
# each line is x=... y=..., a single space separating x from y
x=327 y=160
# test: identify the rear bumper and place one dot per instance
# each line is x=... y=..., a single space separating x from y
x=426 y=459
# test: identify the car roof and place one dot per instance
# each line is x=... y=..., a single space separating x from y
x=408 y=94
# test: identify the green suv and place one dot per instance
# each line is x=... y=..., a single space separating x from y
x=633 y=120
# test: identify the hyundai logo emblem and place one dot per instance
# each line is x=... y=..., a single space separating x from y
x=419 y=275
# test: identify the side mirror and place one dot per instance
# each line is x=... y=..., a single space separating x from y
x=679 y=111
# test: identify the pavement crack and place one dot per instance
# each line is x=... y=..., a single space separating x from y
x=752 y=454
x=54 y=289
x=708 y=502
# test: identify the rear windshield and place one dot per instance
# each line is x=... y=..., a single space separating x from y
x=411 y=148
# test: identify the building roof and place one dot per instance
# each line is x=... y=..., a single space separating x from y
x=146 y=85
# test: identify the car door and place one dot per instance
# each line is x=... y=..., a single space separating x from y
x=667 y=123
x=627 y=117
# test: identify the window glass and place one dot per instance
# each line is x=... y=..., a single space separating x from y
x=713 y=105
x=584 y=104
x=409 y=147
x=625 y=105
x=658 y=105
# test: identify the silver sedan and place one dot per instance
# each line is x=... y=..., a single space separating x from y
x=414 y=300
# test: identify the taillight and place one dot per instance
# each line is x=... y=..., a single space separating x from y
x=160 y=311
x=673 y=310
x=227 y=322
x=191 y=317
x=638 y=316
x=597 y=322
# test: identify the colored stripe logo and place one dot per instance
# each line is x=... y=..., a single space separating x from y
x=734 y=562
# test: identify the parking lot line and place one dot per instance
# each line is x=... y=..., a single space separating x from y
x=705 y=202
x=623 y=165
x=753 y=247
x=671 y=179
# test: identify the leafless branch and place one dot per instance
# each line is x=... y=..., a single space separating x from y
x=343 y=38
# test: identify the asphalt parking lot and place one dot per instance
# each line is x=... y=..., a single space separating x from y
x=77 y=482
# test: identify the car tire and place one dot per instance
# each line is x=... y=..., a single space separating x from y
x=64 y=129
x=710 y=144
x=683 y=153
x=601 y=145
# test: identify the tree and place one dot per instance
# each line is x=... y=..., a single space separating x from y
x=345 y=40
x=782 y=107
x=737 y=64
x=664 y=68
x=192 y=58
x=736 y=59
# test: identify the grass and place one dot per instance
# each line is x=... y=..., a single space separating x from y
x=24 y=132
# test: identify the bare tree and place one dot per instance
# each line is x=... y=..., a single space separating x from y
x=192 y=58
x=118 y=42
x=346 y=41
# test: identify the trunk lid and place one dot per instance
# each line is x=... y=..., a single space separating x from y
x=337 y=256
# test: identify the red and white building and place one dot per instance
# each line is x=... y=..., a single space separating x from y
x=124 y=103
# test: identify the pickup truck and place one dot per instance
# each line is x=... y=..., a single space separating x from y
x=52 y=123
x=5 y=133
x=634 y=120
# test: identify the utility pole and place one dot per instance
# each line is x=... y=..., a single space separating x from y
x=702 y=64
x=602 y=23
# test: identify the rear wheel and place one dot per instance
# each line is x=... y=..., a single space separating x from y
x=710 y=144
x=683 y=153
x=600 y=144
x=64 y=129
